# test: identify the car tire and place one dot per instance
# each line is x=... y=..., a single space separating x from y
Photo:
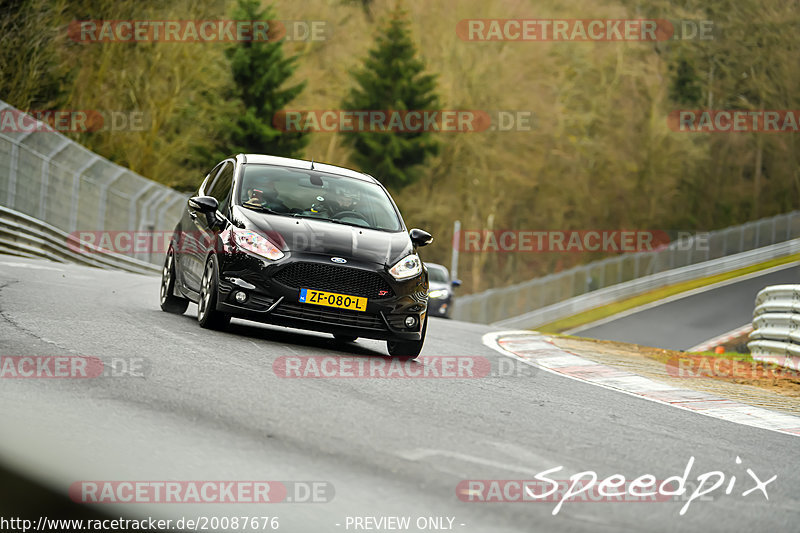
x=408 y=350
x=344 y=338
x=169 y=302
x=207 y=314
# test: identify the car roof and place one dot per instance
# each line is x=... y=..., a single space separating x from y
x=261 y=159
x=436 y=265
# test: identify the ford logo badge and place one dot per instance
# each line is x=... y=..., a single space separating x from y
x=338 y=260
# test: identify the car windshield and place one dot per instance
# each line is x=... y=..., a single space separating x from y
x=436 y=273
x=311 y=194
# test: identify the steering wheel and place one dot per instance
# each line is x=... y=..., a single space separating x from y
x=356 y=214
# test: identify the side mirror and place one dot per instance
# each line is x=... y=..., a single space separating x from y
x=456 y=283
x=420 y=238
x=204 y=204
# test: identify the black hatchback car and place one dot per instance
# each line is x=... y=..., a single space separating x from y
x=300 y=244
x=440 y=295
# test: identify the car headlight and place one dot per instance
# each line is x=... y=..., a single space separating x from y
x=438 y=293
x=257 y=244
x=407 y=267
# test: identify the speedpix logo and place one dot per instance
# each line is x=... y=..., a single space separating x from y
x=586 y=486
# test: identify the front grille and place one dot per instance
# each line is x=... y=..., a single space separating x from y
x=261 y=303
x=332 y=278
x=342 y=317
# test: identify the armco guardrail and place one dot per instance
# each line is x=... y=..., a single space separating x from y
x=776 y=326
x=26 y=236
x=505 y=305
x=638 y=286
x=55 y=180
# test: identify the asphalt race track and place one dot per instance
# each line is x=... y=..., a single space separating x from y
x=686 y=322
x=207 y=405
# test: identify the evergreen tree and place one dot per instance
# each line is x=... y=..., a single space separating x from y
x=392 y=79
x=685 y=83
x=259 y=70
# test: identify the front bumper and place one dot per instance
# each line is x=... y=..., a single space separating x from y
x=271 y=301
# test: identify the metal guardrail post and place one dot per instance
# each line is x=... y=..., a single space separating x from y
x=14 y=168
x=46 y=176
x=152 y=217
x=101 y=204
x=132 y=207
x=160 y=222
x=725 y=243
x=153 y=205
x=741 y=238
x=12 y=175
x=76 y=191
x=758 y=235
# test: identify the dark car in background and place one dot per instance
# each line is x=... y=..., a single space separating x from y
x=440 y=294
x=300 y=244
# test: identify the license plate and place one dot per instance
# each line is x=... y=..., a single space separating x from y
x=332 y=299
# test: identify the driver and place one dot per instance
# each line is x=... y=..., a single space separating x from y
x=338 y=204
x=267 y=197
x=332 y=203
x=345 y=202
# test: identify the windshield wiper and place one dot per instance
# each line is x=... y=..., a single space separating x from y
x=261 y=208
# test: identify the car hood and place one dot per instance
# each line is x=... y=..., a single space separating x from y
x=326 y=238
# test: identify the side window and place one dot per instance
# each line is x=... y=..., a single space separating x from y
x=221 y=187
x=203 y=190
